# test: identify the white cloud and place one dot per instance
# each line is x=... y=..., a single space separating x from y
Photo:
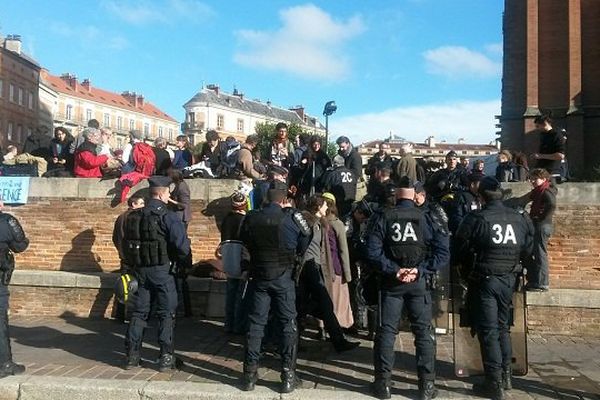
x=471 y=120
x=89 y=35
x=460 y=62
x=308 y=44
x=495 y=49
x=143 y=12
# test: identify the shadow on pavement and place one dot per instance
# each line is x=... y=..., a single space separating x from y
x=210 y=354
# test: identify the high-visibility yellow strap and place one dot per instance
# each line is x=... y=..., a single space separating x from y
x=125 y=279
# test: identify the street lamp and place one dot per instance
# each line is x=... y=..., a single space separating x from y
x=328 y=110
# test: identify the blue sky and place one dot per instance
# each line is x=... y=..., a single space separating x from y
x=411 y=67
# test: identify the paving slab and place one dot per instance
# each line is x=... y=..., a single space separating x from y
x=80 y=358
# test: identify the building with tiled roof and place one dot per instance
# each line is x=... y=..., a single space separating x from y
x=19 y=77
x=70 y=103
x=429 y=149
x=235 y=115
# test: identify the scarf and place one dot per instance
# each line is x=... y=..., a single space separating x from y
x=537 y=207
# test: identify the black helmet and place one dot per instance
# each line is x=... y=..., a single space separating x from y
x=125 y=286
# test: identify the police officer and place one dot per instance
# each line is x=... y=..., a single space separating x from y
x=12 y=240
x=464 y=202
x=496 y=238
x=444 y=183
x=407 y=250
x=340 y=181
x=273 y=239
x=161 y=240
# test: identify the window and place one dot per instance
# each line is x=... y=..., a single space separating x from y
x=170 y=133
x=240 y=125
x=30 y=101
x=1 y=88
x=146 y=129
x=160 y=131
x=192 y=118
x=131 y=124
x=9 y=131
x=476 y=152
x=220 y=121
x=21 y=97
x=11 y=92
x=119 y=122
x=69 y=112
x=29 y=131
x=119 y=143
x=88 y=114
x=106 y=119
x=19 y=133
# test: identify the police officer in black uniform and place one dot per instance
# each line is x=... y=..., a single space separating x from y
x=407 y=250
x=155 y=237
x=495 y=239
x=444 y=183
x=12 y=240
x=341 y=182
x=464 y=202
x=273 y=239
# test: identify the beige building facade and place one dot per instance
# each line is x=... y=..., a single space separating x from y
x=72 y=103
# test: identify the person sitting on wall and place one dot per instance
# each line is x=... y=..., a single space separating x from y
x=12 y=157
x=61 y=161
x=87 y=162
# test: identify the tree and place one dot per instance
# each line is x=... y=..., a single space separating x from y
x=266 y=134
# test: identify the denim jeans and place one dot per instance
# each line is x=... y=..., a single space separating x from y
x=537 y=275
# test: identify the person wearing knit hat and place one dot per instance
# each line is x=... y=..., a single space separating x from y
x=238 y=201
x=407 y=250
x=499 y=238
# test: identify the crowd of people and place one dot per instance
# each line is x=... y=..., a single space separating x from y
x=299 y=248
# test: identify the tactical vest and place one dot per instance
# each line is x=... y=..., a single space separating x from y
x=404 y=240
x=144 y=243
x=268 y=258
x=500 y=248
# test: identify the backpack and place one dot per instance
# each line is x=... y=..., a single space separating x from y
x=229 y=154
x=144 y=158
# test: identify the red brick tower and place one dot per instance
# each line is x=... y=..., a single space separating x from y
x=552 y=64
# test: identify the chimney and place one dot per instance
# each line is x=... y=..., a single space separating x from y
x=300 y=111
x=87 y=85
x=13 y=43
x=131 y=97
x=140 y=101
x=430 y=141
x=214 y=88
x=461 y=141
x=70 y=80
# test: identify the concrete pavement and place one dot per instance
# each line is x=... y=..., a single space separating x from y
x=80 y=358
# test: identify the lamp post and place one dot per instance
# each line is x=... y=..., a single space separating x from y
x=328 y=110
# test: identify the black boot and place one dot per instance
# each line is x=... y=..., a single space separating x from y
x=427 y=390
x=507 y=378
x=133 y=360
x=11 y=368
x=343 y=344
x=8 y=366
x=249 y=378
x=381 y=389
x=489 y=388
x=166 y=362
x=289 y=380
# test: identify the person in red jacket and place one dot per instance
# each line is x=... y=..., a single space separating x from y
x=87 y=162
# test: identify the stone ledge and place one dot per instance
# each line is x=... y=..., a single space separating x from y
x=571 y=298
x=94 y=188
x=96 y=280
x=52 y=387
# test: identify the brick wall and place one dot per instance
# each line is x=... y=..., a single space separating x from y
x=564 y=320
x=75 y=233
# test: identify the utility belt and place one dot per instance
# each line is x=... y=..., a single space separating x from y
x=7 y=266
